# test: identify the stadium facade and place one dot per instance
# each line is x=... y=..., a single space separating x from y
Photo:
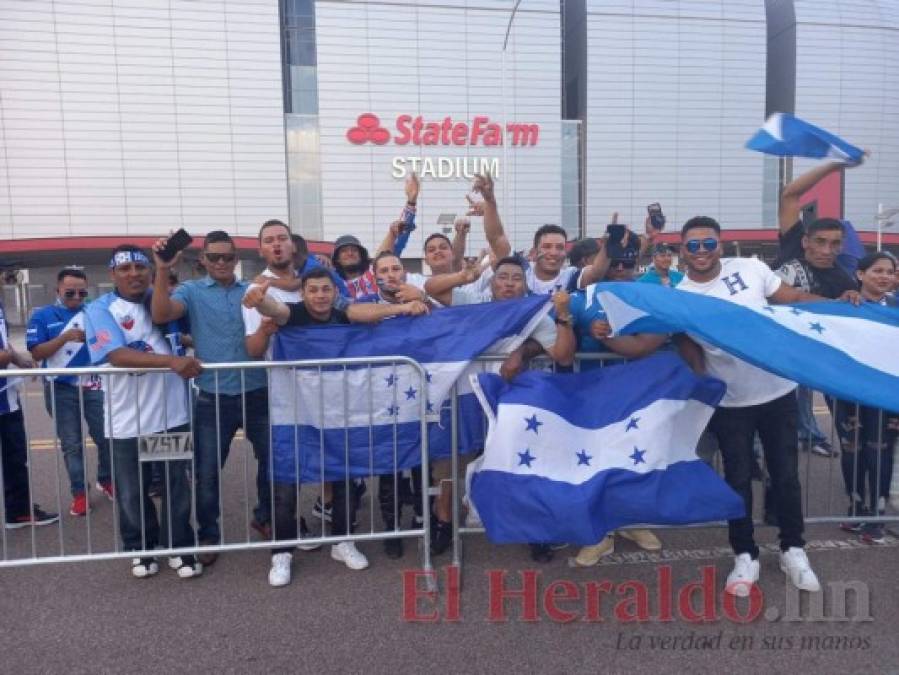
x=122 y=120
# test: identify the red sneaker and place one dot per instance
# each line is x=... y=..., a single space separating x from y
x=79 y=505
x=106 y=488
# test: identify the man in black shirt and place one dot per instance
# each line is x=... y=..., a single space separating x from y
x=807 y=260
x=317 y=309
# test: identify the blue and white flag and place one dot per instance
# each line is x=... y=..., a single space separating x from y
x=785 y=135
x=830 y=346
x=368 y=418
x=571 y=457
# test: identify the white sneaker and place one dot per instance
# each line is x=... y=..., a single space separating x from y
x=795 y=565
x=347 y=553
x=743 y=576
x=279 y=574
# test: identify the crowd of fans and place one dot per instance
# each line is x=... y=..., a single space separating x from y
x=149 y=320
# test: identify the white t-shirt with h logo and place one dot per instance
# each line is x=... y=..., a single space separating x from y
x=748 y=282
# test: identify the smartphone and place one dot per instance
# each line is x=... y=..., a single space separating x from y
x=616 y=233
x=177 y=242
x=656 y=217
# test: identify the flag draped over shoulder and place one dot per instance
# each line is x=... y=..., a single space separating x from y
x=369 y=417
x=571 y=457
x=785 y=135
x=830 y=346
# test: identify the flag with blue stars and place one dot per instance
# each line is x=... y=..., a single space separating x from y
x=358 y=420
x=830 y=346
x=570 y=457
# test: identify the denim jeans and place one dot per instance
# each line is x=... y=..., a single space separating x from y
x=809 y=431
x=67 y=409
x=14 y=448
x=213 y=433
x=867 y=436
x=139 y=525
x=776 y=424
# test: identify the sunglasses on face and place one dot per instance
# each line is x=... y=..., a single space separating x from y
x=70 y=293
x=624 y=264
x=220 y=257
x=693 y=245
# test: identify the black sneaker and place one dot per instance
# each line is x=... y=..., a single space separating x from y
x=322 y=512
x=441 y=536
x=393 y=548
x=144 y=567
x=186 y=566
x=855 y=527
x=304 y=533
x=37 y=516
x=541 y=553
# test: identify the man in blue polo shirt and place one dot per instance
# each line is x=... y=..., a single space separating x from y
x=55 y=337
x=229 y=399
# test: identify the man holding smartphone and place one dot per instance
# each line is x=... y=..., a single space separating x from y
x=227 y=400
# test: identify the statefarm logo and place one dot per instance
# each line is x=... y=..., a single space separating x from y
x=418 y=131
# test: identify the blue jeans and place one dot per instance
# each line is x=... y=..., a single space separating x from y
x=213 y=433
x=808 y=425
x=65 y=405
x=139 y=525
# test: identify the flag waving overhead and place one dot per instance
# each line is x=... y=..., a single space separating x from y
x=787 y=136
x=571 y=457
x=830 y=346
x=369 y=417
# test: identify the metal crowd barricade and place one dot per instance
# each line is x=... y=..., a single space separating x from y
x=824 y=480
x=96 y=536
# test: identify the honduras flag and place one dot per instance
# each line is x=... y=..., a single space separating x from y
x=571 y=457
x=831 y=346
x=787 y=136
x=369 y=418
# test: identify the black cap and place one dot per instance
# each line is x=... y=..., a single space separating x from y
x=348 y=240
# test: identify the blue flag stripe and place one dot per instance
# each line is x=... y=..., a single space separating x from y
x=523 y=509
x=436 y=337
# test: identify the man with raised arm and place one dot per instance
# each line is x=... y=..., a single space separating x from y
x=227 y=399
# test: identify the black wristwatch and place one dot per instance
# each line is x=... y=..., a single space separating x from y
x=563 y=321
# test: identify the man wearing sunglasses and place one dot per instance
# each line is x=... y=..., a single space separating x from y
x=755 y=401
x=227 y=399
x=55 y=337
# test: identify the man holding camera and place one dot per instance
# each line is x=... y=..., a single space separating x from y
x=227 y=399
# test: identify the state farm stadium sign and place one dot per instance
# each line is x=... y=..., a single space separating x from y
x=480 y=132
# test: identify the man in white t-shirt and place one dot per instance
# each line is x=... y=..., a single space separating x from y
x=120 y=332
x=755 y=401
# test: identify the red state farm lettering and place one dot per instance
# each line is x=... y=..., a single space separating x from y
x=417 y=131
